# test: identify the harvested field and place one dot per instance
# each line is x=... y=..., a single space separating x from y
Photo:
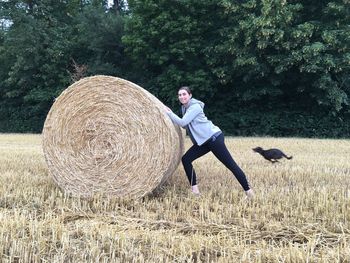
x=301 y=212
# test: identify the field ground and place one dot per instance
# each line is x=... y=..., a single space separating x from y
x=301 y=212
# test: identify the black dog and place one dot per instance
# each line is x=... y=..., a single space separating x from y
x=272 y=154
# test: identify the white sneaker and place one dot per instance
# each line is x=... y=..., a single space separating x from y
x=249 y=194
x=195 y=189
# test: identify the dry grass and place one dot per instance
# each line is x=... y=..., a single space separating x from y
x=300 y=214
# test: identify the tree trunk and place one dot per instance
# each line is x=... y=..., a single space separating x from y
x=117 y=6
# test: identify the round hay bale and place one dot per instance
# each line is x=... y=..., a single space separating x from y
x=106 y=135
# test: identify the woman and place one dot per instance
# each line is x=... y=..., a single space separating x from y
x=206 y=137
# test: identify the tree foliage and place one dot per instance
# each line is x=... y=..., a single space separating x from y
x=277 y=67
x=259 y=55
x=38 y=51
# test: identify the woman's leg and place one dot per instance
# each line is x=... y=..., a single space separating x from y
x=192 y=154
x=221 y=152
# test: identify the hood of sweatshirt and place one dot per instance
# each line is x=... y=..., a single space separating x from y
x=194 y=101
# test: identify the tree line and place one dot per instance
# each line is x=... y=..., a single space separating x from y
x=263 y=67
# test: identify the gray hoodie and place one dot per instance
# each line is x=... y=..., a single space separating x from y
x=195 y=121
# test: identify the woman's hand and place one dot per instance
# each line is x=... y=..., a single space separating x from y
x=167 y=109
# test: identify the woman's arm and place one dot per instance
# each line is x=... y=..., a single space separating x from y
x=190 y=114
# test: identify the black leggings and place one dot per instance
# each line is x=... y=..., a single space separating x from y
x=217 y=146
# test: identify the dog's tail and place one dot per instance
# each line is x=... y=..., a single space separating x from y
x=288 y=157
x=285 y=156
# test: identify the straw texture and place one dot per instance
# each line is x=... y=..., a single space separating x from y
x=106 y=135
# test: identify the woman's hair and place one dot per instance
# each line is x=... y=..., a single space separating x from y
x=186 y=88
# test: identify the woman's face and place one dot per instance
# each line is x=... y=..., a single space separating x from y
x=184 y=97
